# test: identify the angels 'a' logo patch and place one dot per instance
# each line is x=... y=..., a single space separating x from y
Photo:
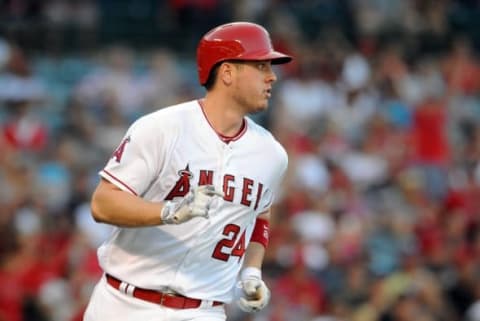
x=118 y=153
x=182 y=186
x=185 y=172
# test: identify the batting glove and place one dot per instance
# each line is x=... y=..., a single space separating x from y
x=253 y=293
x=195 y=204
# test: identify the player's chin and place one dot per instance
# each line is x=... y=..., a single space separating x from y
x=261 y=106
x=259 y=109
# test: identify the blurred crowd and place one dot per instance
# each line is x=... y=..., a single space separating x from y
x=379 y=215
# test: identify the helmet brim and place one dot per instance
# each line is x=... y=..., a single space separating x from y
x=277 y=58
x=280 y=58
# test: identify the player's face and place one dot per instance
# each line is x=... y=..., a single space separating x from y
x=253 y=85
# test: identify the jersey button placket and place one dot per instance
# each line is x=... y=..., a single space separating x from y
x=228 y=155
x=224 y=161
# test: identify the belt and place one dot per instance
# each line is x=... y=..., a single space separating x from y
x=170 y=300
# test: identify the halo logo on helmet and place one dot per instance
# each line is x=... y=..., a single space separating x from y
x=235 y=41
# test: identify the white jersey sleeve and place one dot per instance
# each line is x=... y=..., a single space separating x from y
x=140 y=156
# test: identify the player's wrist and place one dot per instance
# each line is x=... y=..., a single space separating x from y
x=251 y=272
x=167 y=213
x=253 y=294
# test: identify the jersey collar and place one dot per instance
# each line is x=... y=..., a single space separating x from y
x=224 y=138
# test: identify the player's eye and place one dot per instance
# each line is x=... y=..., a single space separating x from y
x=264 y=66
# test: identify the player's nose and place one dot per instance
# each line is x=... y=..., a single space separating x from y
x=271 y=75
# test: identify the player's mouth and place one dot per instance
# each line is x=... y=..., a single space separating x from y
x=268 y=93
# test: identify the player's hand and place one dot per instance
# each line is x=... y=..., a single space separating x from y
x=195 y=203
x=254 y=294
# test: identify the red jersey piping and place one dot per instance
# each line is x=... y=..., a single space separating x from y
x=224 y=138
x=120 y=182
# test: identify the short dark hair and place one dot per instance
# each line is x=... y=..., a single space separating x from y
x=212 y=77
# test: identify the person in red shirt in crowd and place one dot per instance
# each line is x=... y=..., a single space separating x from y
x=461 y=69
x=19 y=92
x=298 y=290
x=430 y=145
x=23 y=132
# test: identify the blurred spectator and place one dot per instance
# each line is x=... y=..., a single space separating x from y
x=20 y=94
x=23 y=130
x=376 y=16
x=431 y=146
x=473 y=311
x=305 y=99
x=71 y=23
x=301 y=295
x=53 y=179
x=161 y=82
x=111 y=83
x=461 y=68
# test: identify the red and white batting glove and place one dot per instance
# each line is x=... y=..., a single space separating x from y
x=195 y=204
x=252 y=293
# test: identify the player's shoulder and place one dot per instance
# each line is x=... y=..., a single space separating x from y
x=264 y=137
x=258 y=130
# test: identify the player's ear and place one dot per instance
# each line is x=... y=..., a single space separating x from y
x=226 y=72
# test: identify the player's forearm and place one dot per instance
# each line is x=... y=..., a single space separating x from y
x=256 y=251
x=254 y=255
x=114 y=206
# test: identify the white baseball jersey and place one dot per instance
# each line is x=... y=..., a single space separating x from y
x=162 y=156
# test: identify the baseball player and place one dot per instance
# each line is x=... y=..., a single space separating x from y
x=189 y=190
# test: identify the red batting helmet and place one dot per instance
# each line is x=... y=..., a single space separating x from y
x=235 y=41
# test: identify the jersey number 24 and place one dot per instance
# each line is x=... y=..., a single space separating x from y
x=231 y=245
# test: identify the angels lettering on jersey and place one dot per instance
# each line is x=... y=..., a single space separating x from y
x=250 y=190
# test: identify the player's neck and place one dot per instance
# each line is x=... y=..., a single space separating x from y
x=222 y=117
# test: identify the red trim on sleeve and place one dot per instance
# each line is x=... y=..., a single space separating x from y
x=261 y=232
x=120 y=182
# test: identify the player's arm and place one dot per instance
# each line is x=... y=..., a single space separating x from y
x=114 y=206
x=254 y=294
x=256 y=248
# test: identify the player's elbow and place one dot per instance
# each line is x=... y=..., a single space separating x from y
x=103 y=198
x=95 y=209
x=99 y=213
